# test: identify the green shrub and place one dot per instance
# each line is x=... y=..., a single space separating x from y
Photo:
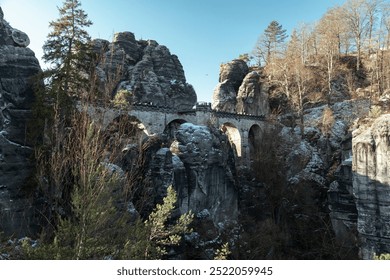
x=383 y=257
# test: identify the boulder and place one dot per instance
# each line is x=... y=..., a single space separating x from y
x=11 y=36
x=20 y=38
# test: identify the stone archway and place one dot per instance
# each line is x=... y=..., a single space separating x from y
x=254 y=141
x=234 y=137
x=171 y=128
x=124 y=131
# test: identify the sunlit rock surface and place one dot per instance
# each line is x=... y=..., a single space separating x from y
x=240 y=90
x=231 y=75
x=147 y=71
x=252 y=96
x=371 y=185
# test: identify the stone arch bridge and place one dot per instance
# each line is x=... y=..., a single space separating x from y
x=242 y=130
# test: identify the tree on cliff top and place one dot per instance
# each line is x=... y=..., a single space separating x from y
x=269 y=42
x=66 y=48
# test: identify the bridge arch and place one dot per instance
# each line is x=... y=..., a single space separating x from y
x=171 y=128
x=127 y=125
x=254 y=141
x=243 y=131
x=122 y=132
x=234 y=137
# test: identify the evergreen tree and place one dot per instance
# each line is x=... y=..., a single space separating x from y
x=268 y=44
x=66 y=48
x=65 y=51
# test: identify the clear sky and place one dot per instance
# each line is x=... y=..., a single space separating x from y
x=202 y=33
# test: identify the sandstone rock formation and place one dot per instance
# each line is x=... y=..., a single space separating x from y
x=207 y=164
x=322 y=162
x=17 y=65
x=371 y=185
x=199 y=163
x=343 y=212
x=231 y=76
x=224 y=97
x=147 y=71
x=252 y=97
x=240 y=90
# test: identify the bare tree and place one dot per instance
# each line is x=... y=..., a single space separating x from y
x=372 y=8
x=298 y=74
x=385 y=23
x=358 y=21
x=330 y=30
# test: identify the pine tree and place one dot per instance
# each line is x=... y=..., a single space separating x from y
x=268 y=44
x=150 y=239
x=66 y=48
x=65 y=51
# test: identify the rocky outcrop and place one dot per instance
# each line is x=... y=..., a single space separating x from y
x=322 y=161
x=11 y=36
x=240 y=90
x=206 y=163
x=234 y=71
x=17 y=66
x=224 y=97
x=252 y=97
x=343 y=212
x=147 y=71
x=199 y=163
x=231 y=75
x=371 y=185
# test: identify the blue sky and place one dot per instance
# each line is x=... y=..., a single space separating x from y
x=202 y=33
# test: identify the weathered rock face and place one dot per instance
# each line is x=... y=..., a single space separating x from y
x=252 y=97
x=231 y=76
x=371 y=185
x=323 y=162
x=146 y=70
x=17 y=65
x=343 y=212
x=199 y=163
x=11 y=36
x=207 y=163
x=224 y=97
x=234 y=71
x=240 y=91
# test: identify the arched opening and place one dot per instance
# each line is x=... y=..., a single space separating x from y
x=171 y=128
x=254 y=141
x=124 y=133
x=234 y=137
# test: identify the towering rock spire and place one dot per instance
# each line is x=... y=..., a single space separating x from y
x=17 y=66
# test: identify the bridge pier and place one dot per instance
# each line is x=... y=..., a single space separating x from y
x=245 y=156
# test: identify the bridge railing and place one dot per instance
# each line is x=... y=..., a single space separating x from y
x=223 y=114
x=204 y=107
